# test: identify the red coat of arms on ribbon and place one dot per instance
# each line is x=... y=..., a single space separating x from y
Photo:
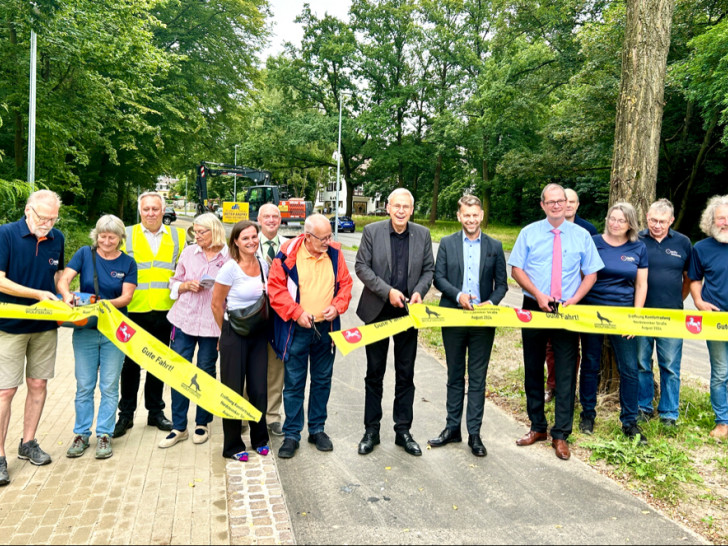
x=694 y=324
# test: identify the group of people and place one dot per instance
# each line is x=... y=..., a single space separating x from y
x=193 y=295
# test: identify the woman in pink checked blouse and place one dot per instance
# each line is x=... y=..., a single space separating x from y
x=192 y=320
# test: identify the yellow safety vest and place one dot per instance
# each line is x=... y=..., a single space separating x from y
x=154 y=272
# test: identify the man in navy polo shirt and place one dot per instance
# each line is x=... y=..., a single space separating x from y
x=31 y=260
x=668 y=253
x=708 y=274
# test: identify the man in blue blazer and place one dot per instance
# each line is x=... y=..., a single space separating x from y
x=470 y=271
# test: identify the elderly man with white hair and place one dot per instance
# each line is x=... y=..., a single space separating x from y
x=396 y=265
x=708 y=273
x=31 y=261
x=156 y=249
x=309 y=288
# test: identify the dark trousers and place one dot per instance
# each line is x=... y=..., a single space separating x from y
x=244 y=364
x=156 y=323
x=405 y=352
x=477 y=342
x=566 y=347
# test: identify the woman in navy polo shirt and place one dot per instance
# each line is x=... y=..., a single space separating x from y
x=96 y=356
x=622 y=283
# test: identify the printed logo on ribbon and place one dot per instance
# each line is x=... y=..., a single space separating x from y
x=694 y=324
x=352 y=335
x=194 y=383
x=523 y=315
x=125 y=332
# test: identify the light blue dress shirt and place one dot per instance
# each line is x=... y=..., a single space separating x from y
x=533 y=253
x=471 y=271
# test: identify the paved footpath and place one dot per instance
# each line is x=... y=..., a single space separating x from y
x=187 y=494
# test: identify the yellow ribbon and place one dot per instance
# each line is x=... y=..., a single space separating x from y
x=674 y=323
x=147 y=351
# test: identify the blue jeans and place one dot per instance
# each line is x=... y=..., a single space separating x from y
x=719 y=380
x=625 y=351
x=305 y=347
x=669 y=356
x=97 y=360
x=184 y=345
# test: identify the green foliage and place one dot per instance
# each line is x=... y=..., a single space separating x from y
x=13 y=195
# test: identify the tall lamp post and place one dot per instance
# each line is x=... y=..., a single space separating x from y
x=235 y=182
x=338 y=173
x=31 y=111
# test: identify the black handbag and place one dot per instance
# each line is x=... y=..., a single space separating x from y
x=252 y=319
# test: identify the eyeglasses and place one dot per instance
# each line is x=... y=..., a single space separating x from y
x=326 y=239
x=618 y=221
x=656 y=222
x=559 y=202
x=200 y=233
x=44 y=219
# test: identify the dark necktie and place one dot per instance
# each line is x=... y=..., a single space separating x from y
x=271 y=252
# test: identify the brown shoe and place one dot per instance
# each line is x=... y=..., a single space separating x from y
x=531 y=438
x=720 y=432
x=561 y=448
x=548 y=395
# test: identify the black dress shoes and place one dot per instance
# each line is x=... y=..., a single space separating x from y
x=447 y=436
x=406 y=441
x=122 y=425
x=368 y=441
x=477 y=446
x=159 y=421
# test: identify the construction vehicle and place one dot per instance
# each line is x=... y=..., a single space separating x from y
x=293 y=209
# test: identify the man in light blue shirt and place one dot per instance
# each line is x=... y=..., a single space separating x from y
x=555 y=262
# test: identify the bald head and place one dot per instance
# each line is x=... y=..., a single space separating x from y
x=317 y=231
x=572 y=204
x=269 y=218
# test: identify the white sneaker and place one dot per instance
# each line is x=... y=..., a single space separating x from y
x=174 y=437
x=201 y=434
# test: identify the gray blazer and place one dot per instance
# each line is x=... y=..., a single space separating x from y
x=374 y=266
x=450 y=266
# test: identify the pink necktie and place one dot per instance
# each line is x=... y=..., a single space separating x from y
x=556 y=266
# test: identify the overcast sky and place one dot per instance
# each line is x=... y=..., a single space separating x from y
x=286 y=11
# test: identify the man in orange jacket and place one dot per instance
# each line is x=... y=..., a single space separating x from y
x=309 y=288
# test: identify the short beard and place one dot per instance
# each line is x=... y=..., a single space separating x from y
x=718 y=234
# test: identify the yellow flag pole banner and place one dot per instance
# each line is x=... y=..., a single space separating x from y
x=147 y=351
x=676 y=323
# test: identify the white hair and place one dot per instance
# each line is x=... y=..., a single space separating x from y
x=151 y=194
x=46 y=196
x=108 y=223
x=401 y=191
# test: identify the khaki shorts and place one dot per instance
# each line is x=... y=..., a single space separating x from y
x=40 y=351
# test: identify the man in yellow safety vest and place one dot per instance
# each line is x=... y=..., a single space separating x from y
x=156 y=249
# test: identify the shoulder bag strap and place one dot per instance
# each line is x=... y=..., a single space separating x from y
x=96 y=275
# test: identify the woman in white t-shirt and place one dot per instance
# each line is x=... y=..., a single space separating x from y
x=243 y=360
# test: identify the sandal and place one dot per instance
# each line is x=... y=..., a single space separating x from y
x=263 y=450
x=242 y=456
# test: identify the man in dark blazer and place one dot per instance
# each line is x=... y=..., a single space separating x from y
x=470 y=271
x=396 y=265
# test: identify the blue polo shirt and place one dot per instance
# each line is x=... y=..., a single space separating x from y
x=112 y=274
x=615 y=283
x=586 y=224
x=710 y=262
x=32 y=263
x=668 y=260
x=533 y=253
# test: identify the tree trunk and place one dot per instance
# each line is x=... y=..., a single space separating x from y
x=638 y=122
x=699 y=160
x=640 y=104
x=486 y=184
x=436 y=189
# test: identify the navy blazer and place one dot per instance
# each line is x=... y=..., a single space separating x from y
x=450 y=266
